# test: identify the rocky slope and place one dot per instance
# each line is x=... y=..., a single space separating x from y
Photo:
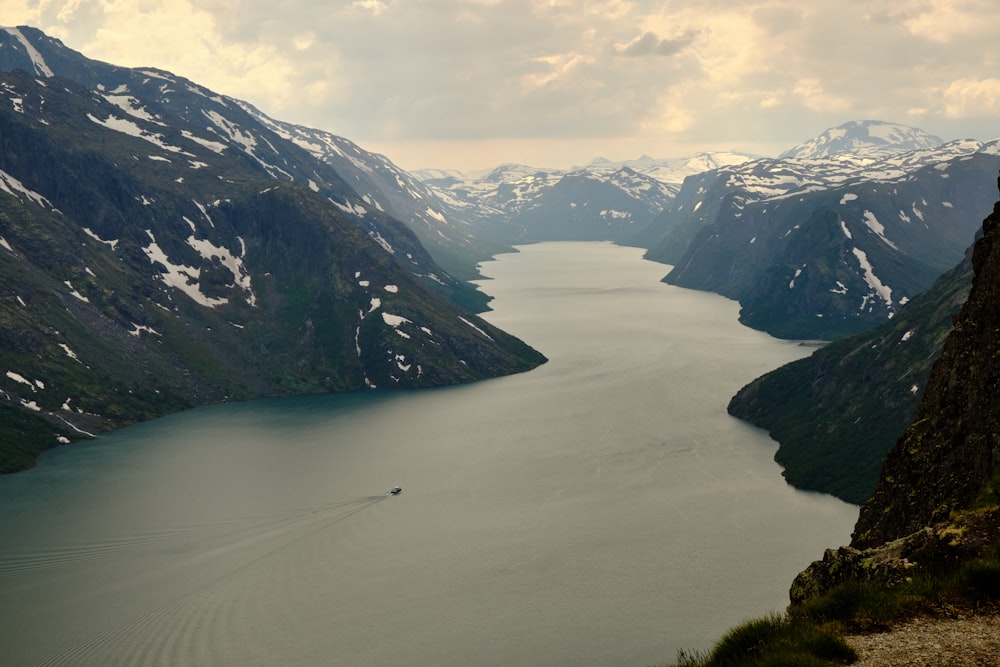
x=937 y=502
x=160 y=248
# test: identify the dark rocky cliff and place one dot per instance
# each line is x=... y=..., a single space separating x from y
x=937 y=502
x=948 y=458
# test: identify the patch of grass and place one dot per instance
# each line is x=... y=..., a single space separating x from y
x=980 y=579
x=855 y=606
x=772 y=641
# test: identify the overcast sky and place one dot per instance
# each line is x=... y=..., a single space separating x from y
x=471 y=84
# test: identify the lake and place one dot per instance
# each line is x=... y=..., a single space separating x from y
x=602 y=509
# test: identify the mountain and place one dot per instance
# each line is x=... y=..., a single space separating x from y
x=836 y=413
x=603 y=200
x=948 y=460
x=387 y=188
x=161 y=248
x=673 y=170
x=521 y=204
x=825 y=247
x=864 y=137
x=932 y=527
x=363 y=184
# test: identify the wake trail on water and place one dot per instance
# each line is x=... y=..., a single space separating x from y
x=184 y=617
x=12 y=565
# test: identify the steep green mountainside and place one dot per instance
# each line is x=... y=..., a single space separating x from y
x=949 y=458
x=836 y=413
x=147 y=265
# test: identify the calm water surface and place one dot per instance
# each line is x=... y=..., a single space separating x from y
x=602 y=509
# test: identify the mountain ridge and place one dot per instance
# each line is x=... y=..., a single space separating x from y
x=822 y=248
x=160 y=249
x=864 y=137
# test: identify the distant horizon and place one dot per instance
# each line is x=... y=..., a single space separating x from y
x=773 y=152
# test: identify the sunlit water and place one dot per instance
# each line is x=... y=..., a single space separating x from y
x=600 y=510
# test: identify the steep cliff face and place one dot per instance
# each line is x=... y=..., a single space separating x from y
x=950 y=455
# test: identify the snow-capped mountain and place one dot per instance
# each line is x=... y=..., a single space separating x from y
x=820 y=247
x=364 y=185
x=858 y=137
x=673 y=170
x=161 y=248
x=604 y=200
x=387 y=188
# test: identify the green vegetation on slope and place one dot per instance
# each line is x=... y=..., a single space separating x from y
x=836 y=413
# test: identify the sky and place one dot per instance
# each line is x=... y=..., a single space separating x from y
x=471 y=84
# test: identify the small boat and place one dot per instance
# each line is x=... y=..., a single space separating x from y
x=396 y=490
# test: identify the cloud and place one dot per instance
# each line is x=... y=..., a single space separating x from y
x=648 y=44
x=946 y=20
x=970 y=98
x=376 y=7
x=551 y=72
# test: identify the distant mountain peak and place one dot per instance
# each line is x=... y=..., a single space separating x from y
x=863 y=136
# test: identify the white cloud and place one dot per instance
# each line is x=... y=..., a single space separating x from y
x=967 y=98
x=946 y=20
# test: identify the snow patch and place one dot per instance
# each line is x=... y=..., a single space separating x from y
x=394 y=320
x=94 y=236
x=216 y=146
x=12 y=186
x=132 y=107
x=125 y=126
x=74 y=292
x=883 y=290
x=873 y=224
x=486 y=335
x=17 y=377
x=179 y=276
x=137 y=329
x=791 y=283
x=69 y=353
x=843 y=226
x=41 y=67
